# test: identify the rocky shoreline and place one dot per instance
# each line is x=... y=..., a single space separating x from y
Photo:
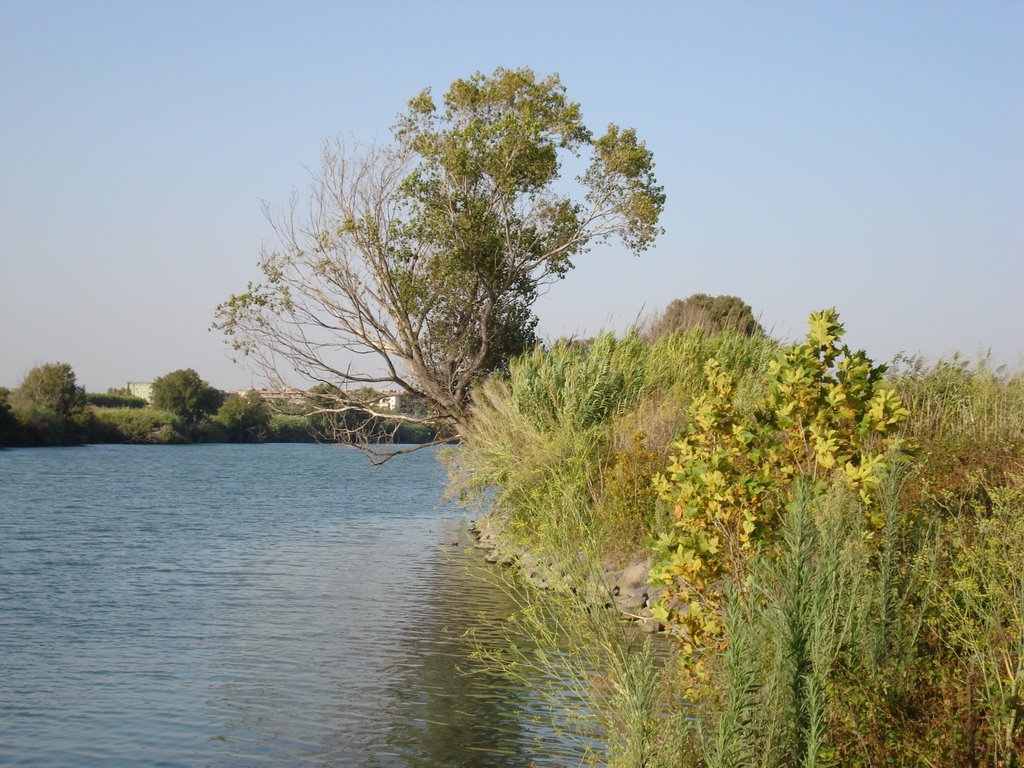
x=624 y=589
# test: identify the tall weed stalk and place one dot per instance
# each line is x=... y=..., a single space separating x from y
x=981 y=604
x=789 y=631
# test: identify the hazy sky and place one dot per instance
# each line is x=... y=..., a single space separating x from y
x=868 y=156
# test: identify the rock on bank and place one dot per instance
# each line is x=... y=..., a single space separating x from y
x=625 y=589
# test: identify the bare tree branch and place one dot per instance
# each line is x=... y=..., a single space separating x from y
x=414 y=266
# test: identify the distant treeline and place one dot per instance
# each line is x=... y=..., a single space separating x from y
x=49 y=408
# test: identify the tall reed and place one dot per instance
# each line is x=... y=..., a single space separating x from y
x=845 y=643
x=558 y=422
x=955 y=398
x=604 y=685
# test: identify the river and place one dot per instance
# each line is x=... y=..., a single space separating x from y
x=228 y=605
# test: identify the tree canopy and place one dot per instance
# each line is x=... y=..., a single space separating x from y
x=183 y=393
x=424 y=257
x=53 y=386
x=711 y=314
x=8 y=422
x=245 y=418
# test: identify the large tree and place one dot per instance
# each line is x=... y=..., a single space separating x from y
x=422 y=259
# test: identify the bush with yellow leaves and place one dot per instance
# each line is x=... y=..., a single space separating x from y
x=826 y=414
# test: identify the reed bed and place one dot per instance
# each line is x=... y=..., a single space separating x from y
x=846 y=644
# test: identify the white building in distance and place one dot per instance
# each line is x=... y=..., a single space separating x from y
x=143 y=389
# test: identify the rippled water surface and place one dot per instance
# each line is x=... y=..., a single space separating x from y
x=229 y=605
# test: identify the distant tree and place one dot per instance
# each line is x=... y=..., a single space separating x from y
x=711 y=314
x=290 y=428
x=8 y=422
x=53 y=387
x=49 y=408
x=184 y=394
x=114 y=400
x=245 y=418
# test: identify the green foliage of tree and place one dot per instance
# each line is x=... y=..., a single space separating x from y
x=114 y=400
x=290 y=428
x=711 y=314
x=53 y=387
x=48 y=408
x=139 y=425
x=183 y=393
x=8 y=422
x=429 y=254
x=245 y=418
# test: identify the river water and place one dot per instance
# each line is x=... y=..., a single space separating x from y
x=227 y=605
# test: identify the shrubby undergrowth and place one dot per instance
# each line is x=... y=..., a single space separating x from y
x=593 y=422
x=869 y=609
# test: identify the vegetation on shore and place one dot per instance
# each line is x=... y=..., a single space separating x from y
x=51 y=409
x=838 y=547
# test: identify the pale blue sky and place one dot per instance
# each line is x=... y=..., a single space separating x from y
x=868 y=156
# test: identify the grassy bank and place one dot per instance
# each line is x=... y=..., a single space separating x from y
x=842 y=580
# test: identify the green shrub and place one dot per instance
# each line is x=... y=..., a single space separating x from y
x=142 y=425
x=8 y=421
x=111 y=400
x=35 y=426
x=826 y=413
x=244 y=419
x=858 y=634
x=710 y=314
x=414 y=434
x=290 y=428
x=629 y=498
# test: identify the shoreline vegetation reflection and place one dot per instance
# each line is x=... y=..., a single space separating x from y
x=244 y=605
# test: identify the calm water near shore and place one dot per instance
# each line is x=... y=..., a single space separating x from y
x=226 y=605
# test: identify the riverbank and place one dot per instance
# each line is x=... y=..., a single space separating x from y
x=624 y=589
x=840 y=541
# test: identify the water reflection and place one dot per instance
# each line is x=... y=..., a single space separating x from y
x=450 y=710
x=247 y=606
